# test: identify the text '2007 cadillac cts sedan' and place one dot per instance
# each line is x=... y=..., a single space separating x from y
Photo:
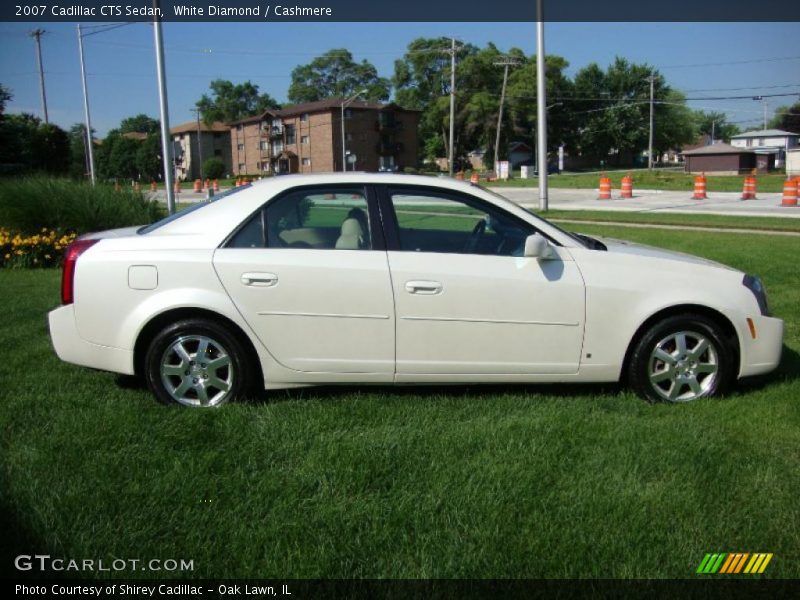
x=396 y=279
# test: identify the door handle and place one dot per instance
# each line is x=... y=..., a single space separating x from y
x=259 y=279
x=424 y=288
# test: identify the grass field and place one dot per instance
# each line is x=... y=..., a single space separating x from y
x=529 y=481
x=656 y=180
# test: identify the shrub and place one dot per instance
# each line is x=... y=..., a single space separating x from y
x=213 y=168
x=28 y=205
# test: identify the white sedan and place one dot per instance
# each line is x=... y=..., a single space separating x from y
x=395 y=279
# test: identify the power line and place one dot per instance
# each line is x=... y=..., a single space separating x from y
x=733 y=62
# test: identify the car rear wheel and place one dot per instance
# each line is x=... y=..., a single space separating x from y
x=682 y=358
x=196 y=363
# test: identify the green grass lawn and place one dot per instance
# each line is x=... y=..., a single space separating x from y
x=517 y=481
x=656 y=180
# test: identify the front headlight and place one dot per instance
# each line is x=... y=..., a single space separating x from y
x=755 y=285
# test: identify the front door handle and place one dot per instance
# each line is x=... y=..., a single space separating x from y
x=424 y=288
x=259 y=279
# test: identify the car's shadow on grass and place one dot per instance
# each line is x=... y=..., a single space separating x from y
x=788 y=371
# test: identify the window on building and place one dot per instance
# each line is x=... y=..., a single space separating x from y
x=264 y=145
x=242 y=167
x=304 y=117
x=217 y=152
x=291 y=136
x=277 y=147
x=760 y=141
x=306 y=162
x=303 y=139
x=217 y=135
x=348 y=114
x=320 y=219
x=240 y=147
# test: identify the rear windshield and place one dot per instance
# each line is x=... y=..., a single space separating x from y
x=189 y=209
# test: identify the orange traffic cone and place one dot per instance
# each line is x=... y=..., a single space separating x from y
x=700 y=187
x=605 y=189
x=474 y=178
x=207 y=184
x=153 y=186
x=198 y=185
x=216 y=185
x=627 y=187
x=790 y=192
x=460 y=175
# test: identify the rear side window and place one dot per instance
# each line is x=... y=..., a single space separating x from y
x=311 y=219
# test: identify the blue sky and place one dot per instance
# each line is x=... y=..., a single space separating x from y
x=122 y=79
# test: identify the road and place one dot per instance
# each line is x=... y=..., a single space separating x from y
x=653 y=201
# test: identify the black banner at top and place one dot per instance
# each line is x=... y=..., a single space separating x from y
x=401 y=10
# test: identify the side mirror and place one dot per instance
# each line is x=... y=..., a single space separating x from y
x=537 y=246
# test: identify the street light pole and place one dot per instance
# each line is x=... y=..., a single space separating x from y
x=541 y=106
x=652 y=79
x=87 y=119
x=166 y=142
x=344 y=104
x=199 y=144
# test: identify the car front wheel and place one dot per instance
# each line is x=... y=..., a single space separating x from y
x=682 y=358
x=196 y=363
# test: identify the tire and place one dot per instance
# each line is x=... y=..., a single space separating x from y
x=177 y=375
x=682 y=358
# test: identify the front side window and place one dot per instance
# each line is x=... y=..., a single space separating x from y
x=450 y=223
x=336 y=219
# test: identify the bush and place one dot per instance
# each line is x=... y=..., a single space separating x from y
x=28 y=205
x=44 y=249
x=213 y=168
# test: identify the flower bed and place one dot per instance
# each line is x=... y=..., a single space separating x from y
x=43 y=249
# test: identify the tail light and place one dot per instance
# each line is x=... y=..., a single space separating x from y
x=71 y=255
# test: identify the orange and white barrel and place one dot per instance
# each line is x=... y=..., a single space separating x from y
x=700 y=188
x=605 y=189
x=216 y=185
x=626 y=189
x=474 y=178
x=789 y=192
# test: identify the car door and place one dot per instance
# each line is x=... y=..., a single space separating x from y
x=310 y=275
x=466 y=301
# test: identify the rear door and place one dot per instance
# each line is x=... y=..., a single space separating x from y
x=310 y=275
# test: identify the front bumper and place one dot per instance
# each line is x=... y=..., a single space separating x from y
x=72 y=348
x=762 y=354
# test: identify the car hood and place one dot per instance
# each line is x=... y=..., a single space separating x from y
x=111 y=233
x=623 y=247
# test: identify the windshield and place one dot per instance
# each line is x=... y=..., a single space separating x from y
x=189 y=209
x=579 y=239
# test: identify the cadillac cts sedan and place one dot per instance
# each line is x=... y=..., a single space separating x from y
x=395 y=279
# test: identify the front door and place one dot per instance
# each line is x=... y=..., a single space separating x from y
x=466 y=301
x=309 y=273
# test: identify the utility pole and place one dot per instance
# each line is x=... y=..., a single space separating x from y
x=87 y=120
x=541 y=106
x=37 y=35
x=196 y=112
x=713 y=125
x=166 y=141
x=652 y=80
x=506 y=63
x=452 y=103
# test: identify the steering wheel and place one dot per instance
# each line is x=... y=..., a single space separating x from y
x=475 y=236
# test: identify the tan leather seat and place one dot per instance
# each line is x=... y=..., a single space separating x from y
x=351 y=237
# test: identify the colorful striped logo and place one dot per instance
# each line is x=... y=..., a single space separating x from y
x=729 y=563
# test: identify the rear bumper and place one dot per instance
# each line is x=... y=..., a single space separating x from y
x=763 y=354
x=72 y=348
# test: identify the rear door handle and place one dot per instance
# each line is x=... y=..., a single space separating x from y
x=424 y=288
x=259 y=279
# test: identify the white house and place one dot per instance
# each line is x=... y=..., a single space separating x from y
x=768 y=141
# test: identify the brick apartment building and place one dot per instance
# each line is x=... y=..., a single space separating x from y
x=306 y=138
x=215 y=142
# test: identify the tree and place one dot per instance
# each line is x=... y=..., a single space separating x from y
x=5 y=96
x=149 y=163
x=716 y=122
x=30 y=145
x=140 y=123
x=336 y=75
x=213 y=168
x=787 y=118
x=229 y=102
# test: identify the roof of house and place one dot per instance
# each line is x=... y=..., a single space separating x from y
x=519 y=146
x=717 y=149
x=135 y=135
x=191 y=127
x=319 y=106
x=765 y=133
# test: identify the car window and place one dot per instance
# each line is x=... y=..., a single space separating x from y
x=442 y=222
x=318 y=219
x=189 y=209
